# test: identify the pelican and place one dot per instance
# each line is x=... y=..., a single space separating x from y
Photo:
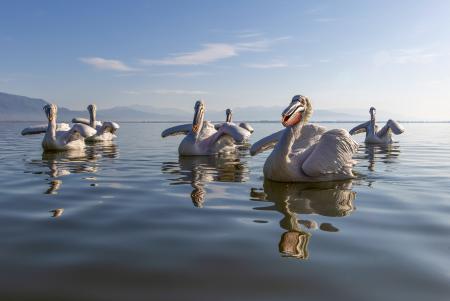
x=373 y=135
x=64 y=139
x=105 y=131
x=229 y=114
x=203 y=139
x=305 y=152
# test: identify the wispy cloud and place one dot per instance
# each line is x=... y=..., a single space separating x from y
x=180 y=92
x=6 y=79
x=260 y=45
x=316 y=10
x=267 y=65
x=404 y=56
x=213 y=52
x=208 y=54
x=180 y=74
x=249 y=34
x=437 y=83
x=11 y=77
x=106 y=64
x=131 y=92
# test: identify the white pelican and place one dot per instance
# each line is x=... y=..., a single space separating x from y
x=373 y=135
x=63 y=140
x=106 y=130
x=306 y=152
x=203 y=139
x=246 y=126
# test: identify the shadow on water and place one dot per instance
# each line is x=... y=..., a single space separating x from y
x=57 y=165
x=332 y=199
x=197 y=171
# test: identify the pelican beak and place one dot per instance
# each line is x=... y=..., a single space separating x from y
x=198 y=117
x=293 y=113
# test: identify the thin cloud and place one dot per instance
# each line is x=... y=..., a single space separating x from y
x=260 y=45
x=131 y=92
x=267 y=65
x=213 y=52
x=105 y=64
x=245 y=34
x=208 y=54
x=180 y=74
x=404 y=56
x=316 y=10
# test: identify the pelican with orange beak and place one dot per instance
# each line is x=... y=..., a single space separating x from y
x=304 y=152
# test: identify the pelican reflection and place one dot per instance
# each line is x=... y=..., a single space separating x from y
x=197 y=171
x=383 y=153
x=330 y=199
x=57 y=165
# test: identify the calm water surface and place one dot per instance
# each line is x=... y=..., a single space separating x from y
x=133 y=221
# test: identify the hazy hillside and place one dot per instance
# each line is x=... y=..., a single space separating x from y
x=15 y=107
x=21 y=108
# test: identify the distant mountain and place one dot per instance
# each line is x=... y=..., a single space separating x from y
x=248 y=113
x=274 y=114
x=15 y=107
x=21 y=108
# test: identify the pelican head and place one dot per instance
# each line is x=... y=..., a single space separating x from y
x=92 y=108
x=372 y=112
x=298 y=110
x=50 y=110
x=229 y=113
x=199 y=109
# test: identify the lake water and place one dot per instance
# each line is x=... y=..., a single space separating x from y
x=133 y=221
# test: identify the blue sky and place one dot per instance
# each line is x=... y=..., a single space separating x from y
x=394 y=55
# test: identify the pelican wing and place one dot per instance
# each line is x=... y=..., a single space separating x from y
x=331 y=155
x=81 y=120
x=182 y=129
x=266 y=143
x=237 y=133
x=360 y=128
x=84 y=130
x=218 y=125
x=42 y=128
x=392 y=125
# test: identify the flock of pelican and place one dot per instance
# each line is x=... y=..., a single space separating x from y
x=301 y=152
x=63 y=137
